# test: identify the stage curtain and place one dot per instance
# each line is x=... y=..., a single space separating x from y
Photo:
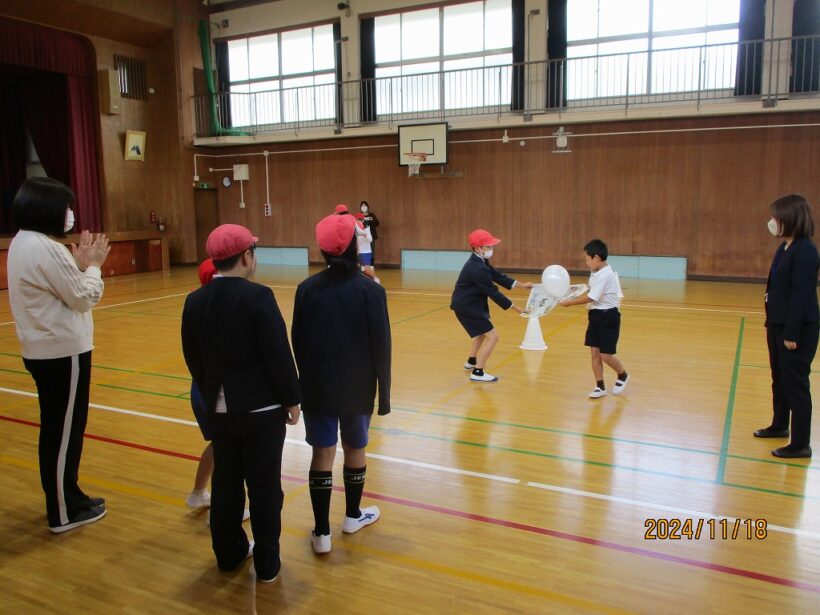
x=41 y=49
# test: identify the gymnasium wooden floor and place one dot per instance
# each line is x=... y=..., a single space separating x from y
x=522 y=496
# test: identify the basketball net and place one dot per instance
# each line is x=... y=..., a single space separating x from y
x=414 y=166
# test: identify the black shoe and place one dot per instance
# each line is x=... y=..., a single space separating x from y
x=91 y=502
x=89 y=515
x=771 y=432
x=792 y=453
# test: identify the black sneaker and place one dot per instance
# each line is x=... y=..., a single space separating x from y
x=84 y=517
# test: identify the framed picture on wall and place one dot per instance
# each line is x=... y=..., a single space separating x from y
x=135 y=145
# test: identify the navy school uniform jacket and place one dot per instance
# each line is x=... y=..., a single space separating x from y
x=342 y=344
x=234 y=337
x=475 y=285
x=791 y=291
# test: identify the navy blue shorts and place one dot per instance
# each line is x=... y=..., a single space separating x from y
x=201 y=413
x=474 y=326
x=321 y=430
x=366 y=258
x=603 y=330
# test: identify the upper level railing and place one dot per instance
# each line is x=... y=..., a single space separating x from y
x=769 y=70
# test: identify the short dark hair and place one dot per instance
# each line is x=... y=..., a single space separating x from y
x=346 y=263
x=229 y=263
x=596 y=247
x=40 y=205
x=794 y=215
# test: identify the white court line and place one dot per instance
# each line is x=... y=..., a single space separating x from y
x=576 y=492
x=113 y=305
x=683 y=512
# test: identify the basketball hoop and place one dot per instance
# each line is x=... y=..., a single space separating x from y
x=417 y=158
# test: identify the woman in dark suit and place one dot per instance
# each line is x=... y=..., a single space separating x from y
x=792 y=324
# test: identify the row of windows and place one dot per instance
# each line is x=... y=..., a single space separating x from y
x=474 y=40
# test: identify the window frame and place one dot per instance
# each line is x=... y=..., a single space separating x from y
x=440 y=60
x=282 y=106
x=651 y=36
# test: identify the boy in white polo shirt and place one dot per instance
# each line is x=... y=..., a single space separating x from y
x=604 y=299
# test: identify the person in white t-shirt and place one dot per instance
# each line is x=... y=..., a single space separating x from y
x=604 y=328
x=364 y=242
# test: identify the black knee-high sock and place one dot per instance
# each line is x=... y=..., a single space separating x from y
x=321 y=487
x=354 y=485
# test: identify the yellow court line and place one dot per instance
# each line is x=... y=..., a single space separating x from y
x=483 y=579
x=398 y=558
x=99 y=482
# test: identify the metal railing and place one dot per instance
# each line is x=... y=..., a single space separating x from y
x=769 y=70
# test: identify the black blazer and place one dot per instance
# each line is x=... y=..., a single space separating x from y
x=342 y=343
x=233 y=336
x=791 y=290
x=371 y=221
x=475 y=285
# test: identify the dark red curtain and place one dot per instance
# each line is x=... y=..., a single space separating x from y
x=45 y=113
x=12 y=143
x=70 y=103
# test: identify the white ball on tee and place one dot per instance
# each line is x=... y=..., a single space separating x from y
x=555 y=280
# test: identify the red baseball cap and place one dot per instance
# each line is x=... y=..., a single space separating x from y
x=334 y=233
x=206 y=271
x=341 y=208
x=480 y=237
x=228 y=240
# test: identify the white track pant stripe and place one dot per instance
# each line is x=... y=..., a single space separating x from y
x=67 y=424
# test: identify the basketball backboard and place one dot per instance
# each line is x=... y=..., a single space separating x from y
x=430 y=139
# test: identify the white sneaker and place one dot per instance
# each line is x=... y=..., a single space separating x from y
x=198 y=500
x=468 y=365
x=321 y=543
x=620 y=385
x=245 y=516
x=352 y=525
x=597 y=392
x=483 y=378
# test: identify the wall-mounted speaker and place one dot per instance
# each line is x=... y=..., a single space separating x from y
x=109 y=84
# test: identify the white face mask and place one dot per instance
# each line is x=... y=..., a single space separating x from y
x=69 y=220
x=773 y=227
x=488 y=253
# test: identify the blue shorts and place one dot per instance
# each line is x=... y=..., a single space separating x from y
x=201 y=413
x=321 y=430
x=366 y=258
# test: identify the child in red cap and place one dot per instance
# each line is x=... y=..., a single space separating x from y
x=342 y=344
x=469 y=302
x=235 y=344
x=200 y=497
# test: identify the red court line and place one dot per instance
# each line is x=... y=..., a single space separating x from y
x=740 y=572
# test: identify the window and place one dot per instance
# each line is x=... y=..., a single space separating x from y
x=283 y=77
x=448 y=57
x=650 y=47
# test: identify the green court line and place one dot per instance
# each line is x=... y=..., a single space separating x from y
x=15 y=371
x=438 y=309
x=519 y=451
x=730 y=407
x=773 y=462
x=119 y=388
x=791 y=494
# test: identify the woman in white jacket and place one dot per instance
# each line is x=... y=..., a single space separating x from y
x=51 y=293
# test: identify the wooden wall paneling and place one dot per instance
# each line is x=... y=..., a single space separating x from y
x=699 y=194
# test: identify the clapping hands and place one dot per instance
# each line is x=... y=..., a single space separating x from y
x=91 y=251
